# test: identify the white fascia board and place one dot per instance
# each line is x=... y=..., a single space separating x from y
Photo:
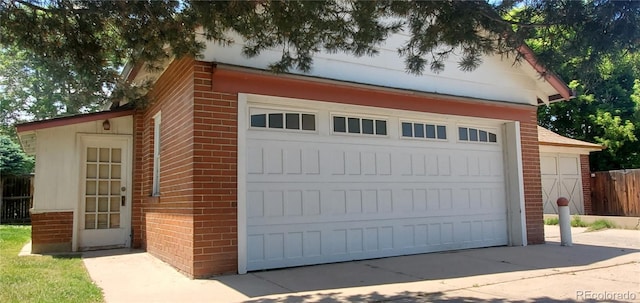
x=567 y=149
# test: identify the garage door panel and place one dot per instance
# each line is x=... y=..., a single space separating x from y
x=570 y=189
x=550 y=194
x=255 y=204
x=273 y=160
x=569 y=166
x=286 y=138
x=479 y=163
x=293 y=161
x=488 y=219
x=255 y=163
x=366 y=179
x=268 y=222
x=301 y=244
x=371 y=166
x=358 y=159
x=287 y=203
x=548 y=165
x=322 y=197
x=363 y=181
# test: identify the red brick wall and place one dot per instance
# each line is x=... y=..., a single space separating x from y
x=169 y=236
x=214 y=180
x=193 y=224
x=51 y=232
x=585 y=169
x=139 y=181
x=164 y=225
x=532 y=181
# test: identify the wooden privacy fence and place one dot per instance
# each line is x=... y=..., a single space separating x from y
x=616 y=193
x=17 y=199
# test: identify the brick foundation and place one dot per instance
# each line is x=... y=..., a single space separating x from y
x=51 y=232
x=168 y=237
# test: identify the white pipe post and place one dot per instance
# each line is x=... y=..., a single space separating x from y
x=564 y=218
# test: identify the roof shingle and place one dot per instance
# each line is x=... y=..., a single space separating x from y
x=547 y=137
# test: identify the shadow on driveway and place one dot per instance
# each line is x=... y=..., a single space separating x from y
x=487 y=265
x=599 y=262
x=412 y=297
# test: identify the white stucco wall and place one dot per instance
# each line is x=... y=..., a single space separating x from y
x=497 y=78
x=57 y=170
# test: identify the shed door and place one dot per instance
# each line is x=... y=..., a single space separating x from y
x=105 y=206
x=561 y=177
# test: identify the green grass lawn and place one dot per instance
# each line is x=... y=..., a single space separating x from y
x=41 y=278
x=576 y=221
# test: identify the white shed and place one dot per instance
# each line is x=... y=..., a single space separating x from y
x=564 y=169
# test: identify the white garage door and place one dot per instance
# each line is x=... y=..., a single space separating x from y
x=326 y=186
x=561 y=177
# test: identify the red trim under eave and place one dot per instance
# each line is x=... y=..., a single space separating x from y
x=134 y=71
x=63 y=121
x=549 y=76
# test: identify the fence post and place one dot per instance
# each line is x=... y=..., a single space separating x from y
x=564 y=218
x=32 y=180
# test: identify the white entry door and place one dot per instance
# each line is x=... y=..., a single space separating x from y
x=105 y=205
x=561 y=177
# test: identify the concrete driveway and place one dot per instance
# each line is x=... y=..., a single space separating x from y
x=601 y=266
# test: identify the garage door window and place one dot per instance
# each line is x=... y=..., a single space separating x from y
x=289 y=121
x=476 y=135
x=353 y=125
x=423 y=130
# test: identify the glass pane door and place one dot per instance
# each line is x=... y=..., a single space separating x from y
x=103 y=188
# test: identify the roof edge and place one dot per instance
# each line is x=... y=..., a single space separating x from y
x=547 y=137
x=594 y=147
x=75 y=119
x=554 y=80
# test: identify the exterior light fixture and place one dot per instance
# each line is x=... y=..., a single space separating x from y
x=106 y=125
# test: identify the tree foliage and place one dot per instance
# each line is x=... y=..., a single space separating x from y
x=600 y=55
x=86 y=42
x=13 y=161
x=30 y=91
x=81 y=45
x=607 y=109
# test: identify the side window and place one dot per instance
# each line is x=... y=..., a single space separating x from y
x=283 y=120
x=476 y=135
x=157 y=119
x=356 y=125
x=423 y=130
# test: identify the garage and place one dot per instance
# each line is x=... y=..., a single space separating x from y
x=332 y=182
